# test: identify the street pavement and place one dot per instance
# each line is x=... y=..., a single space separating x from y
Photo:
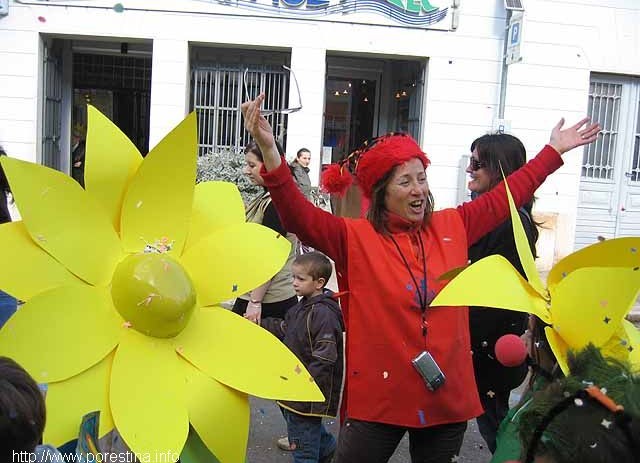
x=267 y=425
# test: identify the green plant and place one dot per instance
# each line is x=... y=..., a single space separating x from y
x=227 y=166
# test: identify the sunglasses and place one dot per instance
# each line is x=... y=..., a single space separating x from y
x=268 y=112
x=476 y=164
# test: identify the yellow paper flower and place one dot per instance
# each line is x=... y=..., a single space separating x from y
x=587 y=297
x=119 y=282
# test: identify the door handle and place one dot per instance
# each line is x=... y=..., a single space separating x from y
x=628 y=174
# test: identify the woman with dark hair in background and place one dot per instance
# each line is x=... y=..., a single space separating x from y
x=8 y=303
x=4 y=189
x=489 y=154
x=300 y=170
x=276 y=296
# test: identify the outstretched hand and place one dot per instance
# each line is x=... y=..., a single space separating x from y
x=256 y=124
x=582 y=133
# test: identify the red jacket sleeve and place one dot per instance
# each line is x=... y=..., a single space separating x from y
x=312 y=225
x=491 y=209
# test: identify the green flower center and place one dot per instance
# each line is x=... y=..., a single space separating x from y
x=154 y=294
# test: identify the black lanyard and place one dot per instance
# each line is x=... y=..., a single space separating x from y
x=421 y=296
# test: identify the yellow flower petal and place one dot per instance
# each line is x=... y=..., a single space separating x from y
x=147 y=396
x=111 y=162
x=625 y=345
x=62 y=332
x=68 y=401
x=590 y=303
x=522 y=246
x=220 y=416
x=234 y=260
x=558 y=347
x=215 y=205
x=63 y=221
x=493 y=282
x=632 y=336
x=19 y=278
x=619 y=252
x=244 y=356
x=159 y=199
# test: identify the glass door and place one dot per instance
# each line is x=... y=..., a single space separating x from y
x=350 y=118
x=349 y=115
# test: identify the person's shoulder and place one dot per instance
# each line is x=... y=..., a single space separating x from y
x=326 y=304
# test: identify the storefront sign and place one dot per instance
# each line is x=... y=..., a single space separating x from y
x=405 y=13
x=416 y=13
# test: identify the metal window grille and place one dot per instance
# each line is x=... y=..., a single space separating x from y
x=111 y=72
x=216 y=95
x=635 y=163
x=128 y=78
x=52 y=126
x=598 y=158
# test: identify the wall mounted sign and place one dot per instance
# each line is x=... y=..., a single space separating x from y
x=400 y=13
x=410 y=13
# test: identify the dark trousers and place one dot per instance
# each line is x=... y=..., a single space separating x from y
x=308 y=435
x=495 y=409
x=368 y=442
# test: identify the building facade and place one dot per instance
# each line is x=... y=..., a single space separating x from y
x=360 y=68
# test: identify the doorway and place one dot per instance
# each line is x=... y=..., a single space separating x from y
x=365 y=98
x=609 y=197
x=115 y=77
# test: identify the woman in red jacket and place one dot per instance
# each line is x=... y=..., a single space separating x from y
x=408 y=365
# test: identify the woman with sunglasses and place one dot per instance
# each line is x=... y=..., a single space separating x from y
x=489 y=154
x=409 y=366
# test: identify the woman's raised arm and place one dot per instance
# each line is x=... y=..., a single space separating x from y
x=261 y=131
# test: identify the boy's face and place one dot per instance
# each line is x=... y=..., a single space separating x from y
x=303 y=284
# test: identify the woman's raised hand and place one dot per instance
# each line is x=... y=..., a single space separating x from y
x=259 y=127
x=582 y=133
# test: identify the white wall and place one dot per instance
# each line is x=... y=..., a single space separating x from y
x=563 y=41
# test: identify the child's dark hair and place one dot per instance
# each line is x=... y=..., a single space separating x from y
x=577 y=418
x=316 y=264
x=22 y=410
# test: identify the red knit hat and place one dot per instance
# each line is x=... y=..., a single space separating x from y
x=371 y=162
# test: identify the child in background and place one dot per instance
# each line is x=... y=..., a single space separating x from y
x=312 y=330
x=22 y=417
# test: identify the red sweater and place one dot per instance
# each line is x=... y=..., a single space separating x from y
x=383 y=319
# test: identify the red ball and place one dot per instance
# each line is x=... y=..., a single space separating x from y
x=510 y=350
